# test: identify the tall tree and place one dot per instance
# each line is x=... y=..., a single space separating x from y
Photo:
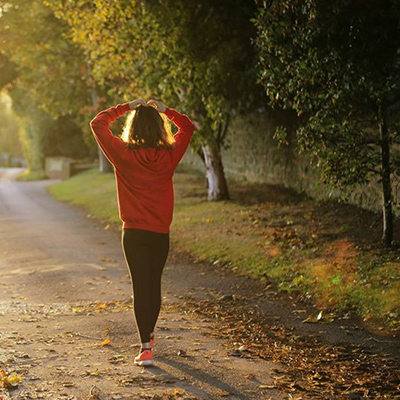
x=9 y=142
x=337 y=65
x=47 y=78
x=195 y=56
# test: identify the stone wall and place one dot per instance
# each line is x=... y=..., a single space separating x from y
x=254 y=156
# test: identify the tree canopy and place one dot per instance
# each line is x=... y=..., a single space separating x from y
x=337 y=64
x=194 y=56
x=333 y=63
x=46 y=78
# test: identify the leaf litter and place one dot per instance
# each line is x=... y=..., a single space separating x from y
x=312 y=369
x=17 y=383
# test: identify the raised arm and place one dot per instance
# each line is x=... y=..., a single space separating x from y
x=184 y=135
x=185 y=129
x=111 y=145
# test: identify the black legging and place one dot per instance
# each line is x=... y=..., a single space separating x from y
x=145 y=253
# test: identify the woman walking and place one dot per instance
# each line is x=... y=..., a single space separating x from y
x=144 y=162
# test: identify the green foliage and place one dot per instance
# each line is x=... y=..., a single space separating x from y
x=334 y=63
x=49 y=67
x=42 y=135
x=281 y=136
x=194 y=56
x=8 y=71
x=9 y=128
x=29 y=176
x=47 y=79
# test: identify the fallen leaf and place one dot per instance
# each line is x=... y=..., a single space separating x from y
x=266 y=386
x=9 y=381
x=223 y=393
x=312 y=319
x=105 y=342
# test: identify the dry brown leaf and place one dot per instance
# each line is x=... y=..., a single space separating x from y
x=222 y=393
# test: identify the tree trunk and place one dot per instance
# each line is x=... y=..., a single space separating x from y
x=217 y=188
x=215 y=176
x=387 y=236
x=104 y=164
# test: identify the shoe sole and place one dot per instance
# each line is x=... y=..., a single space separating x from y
x=144 y=362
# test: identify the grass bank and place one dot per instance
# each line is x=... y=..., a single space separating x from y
x=322 y=252
x=29 y=175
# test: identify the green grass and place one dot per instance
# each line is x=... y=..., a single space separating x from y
x=94 y=191
x=279 y=241
x=29 y=175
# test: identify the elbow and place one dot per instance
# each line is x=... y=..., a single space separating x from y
x=92 y=123
x=190 y=126
x=95 y=123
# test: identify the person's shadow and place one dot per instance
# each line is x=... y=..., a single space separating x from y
x=198 y=375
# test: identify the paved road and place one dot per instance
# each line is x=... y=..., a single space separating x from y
x=54 y=261
x=52 y=247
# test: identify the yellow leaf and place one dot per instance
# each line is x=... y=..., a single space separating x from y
x=310 y=318
x=9 y=381
x=105 y=342
x=14 y=380
x=266 y=386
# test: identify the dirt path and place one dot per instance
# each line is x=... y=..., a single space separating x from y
x=67 y=325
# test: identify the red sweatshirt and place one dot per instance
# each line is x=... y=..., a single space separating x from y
x=144 y=175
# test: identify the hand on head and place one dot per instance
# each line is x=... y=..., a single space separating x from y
x=160 y=107
x=157 y=104
x=136 y=103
